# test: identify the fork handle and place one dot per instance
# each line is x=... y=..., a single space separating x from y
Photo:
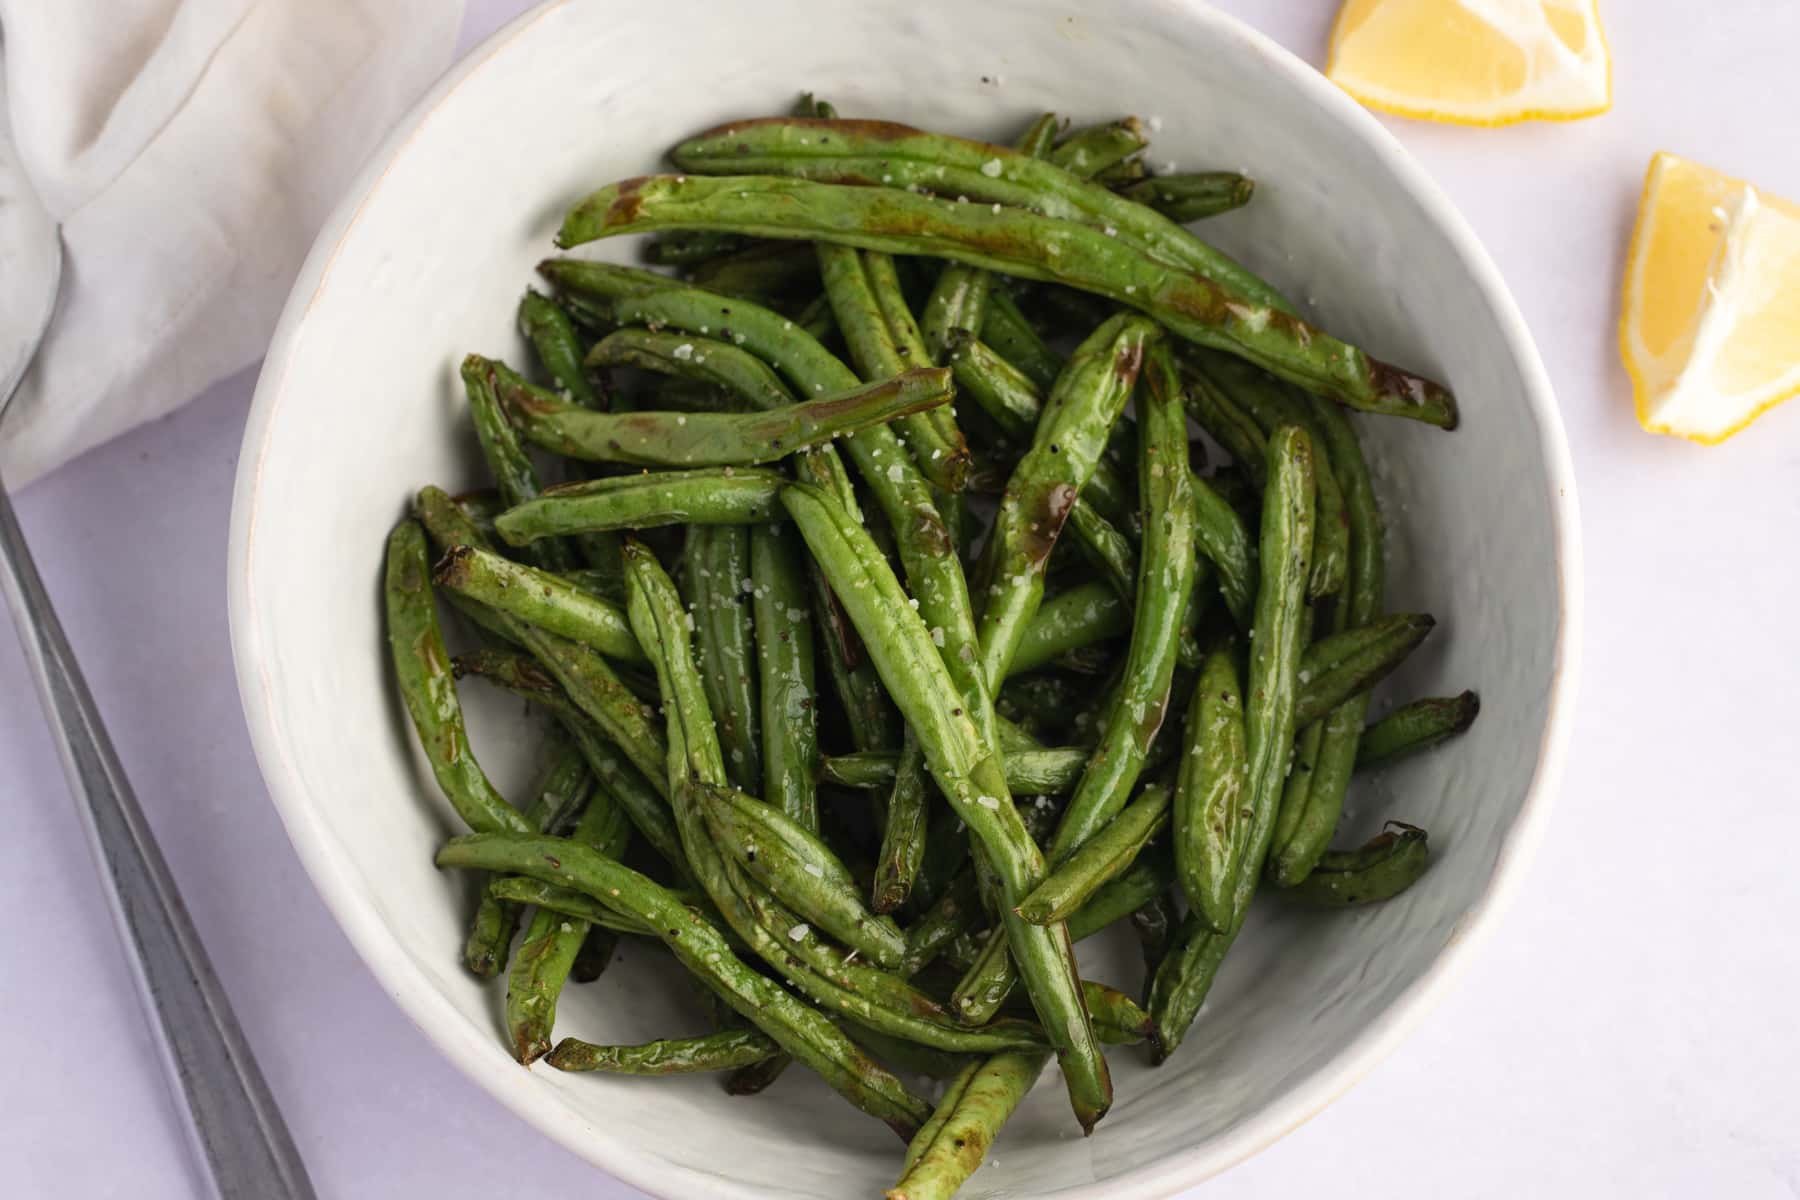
x=242 y=1148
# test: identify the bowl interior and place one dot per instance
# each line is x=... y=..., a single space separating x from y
x=359 y=406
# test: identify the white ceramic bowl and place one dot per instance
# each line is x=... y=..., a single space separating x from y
x=425 y=260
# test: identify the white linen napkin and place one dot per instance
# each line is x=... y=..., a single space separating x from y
x=190 y=149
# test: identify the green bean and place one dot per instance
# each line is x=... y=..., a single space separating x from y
x=957 y=305
x=1225 y=540
x=668 y=1056
x=538 y=597
x=563 y=790
x=1085 y=153
x=1210 y=804
x=1343 y=665
x=512 y=469
x=1415 y=727
x=1181 y=983
x=599 y=693
x=801 y=872
x=861 y=993
x=1028 y=772
x=682 y=249
x=864 y=324
x=1165 y=587
x=519 y=889
x=1100 y=859
x=1275 y=643
x=1380 y=870
x=720 y=364
x=965 y=770
x=863 y=151
x=904 y=831
x=422 y=666
x=909 y=343
x=1087 y=399
x=785 y=681
x=1071 y=620
x=1003 y=392
x=758 y=272
x=1017 y=341
x=541 y=967
x=1229 y=425
x=1271 y=405
x=1028 y=245
x=552 y=335
x=800 y=1030
x=717 y=496
x=1011 y=399
x=1192 y=196
x=717 y=578
x=1296 y=794
x=1019 y=242
x=948 y=1150
x=655 y=439
x=641 y=797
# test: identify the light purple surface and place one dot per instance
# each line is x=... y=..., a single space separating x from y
x=1627 y=1031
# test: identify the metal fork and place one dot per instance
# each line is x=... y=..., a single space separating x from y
x=241 y=1147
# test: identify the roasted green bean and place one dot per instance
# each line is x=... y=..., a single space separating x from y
x=1210 y=834
x=664 y=439
x=1192 y=196
x=538 y=597
x=671 y=1056
x=1165 y=585
x=1381 y=869
x=1023 y=243
x=716 y=496
x=1415 y=727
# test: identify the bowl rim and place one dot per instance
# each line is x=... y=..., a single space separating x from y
x=434 y=1016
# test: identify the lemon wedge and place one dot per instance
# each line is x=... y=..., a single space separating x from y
x=1710 y=316
x=1473 y=62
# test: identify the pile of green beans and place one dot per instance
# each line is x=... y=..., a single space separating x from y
x=783 y=595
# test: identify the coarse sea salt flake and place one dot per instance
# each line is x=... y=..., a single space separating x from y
x=798 y=932
x=991 y=168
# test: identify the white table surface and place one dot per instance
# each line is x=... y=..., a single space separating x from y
x=1628 y=1030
